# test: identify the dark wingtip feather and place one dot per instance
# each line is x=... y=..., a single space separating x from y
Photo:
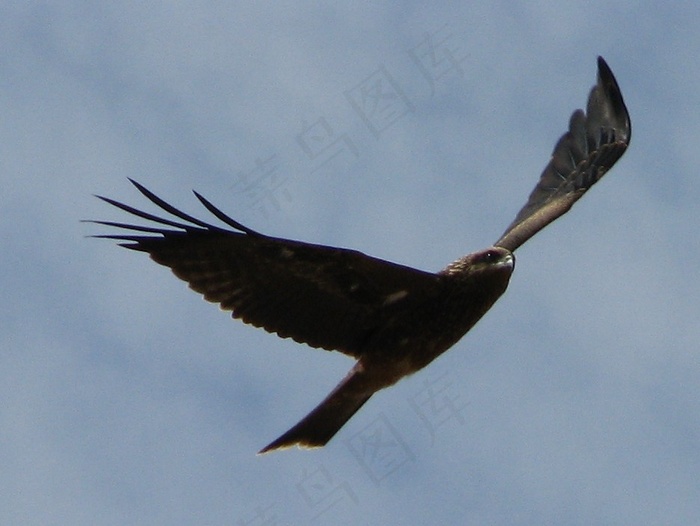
x=137 y=228
x=223 y=217
x=594 y=142
x=613 y=94
x=192 y=224
x=140 y=243
x=142 y=214
x=170 y=208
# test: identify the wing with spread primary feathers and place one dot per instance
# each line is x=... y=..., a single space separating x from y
x=594 y=142
x=324 y=296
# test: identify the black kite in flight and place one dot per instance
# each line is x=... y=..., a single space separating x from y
x=394 y=320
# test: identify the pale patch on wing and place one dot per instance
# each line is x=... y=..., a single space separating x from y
x=395 y=296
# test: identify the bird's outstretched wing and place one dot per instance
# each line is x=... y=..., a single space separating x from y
x=324 y=296
x=594 y=142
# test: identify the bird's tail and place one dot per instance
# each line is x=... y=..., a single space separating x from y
x=319 y=426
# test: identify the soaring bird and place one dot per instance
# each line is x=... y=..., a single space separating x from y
x=392 y=319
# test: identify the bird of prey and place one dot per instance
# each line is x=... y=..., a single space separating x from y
x=392 y=319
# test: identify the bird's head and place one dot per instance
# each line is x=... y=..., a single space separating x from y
x=493 y=261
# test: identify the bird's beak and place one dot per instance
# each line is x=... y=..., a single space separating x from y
x=508 y=261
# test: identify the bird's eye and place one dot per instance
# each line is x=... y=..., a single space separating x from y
x=490 y=256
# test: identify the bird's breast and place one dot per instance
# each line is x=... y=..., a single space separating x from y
x=416 y=330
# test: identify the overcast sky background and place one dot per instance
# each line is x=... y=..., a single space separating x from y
x=127 y=399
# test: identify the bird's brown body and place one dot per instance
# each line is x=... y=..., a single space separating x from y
x=412 y=330
x=394 y=320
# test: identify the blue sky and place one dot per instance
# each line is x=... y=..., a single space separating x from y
x=127 y=399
